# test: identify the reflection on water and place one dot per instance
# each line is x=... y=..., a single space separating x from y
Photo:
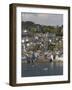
x=47 y=69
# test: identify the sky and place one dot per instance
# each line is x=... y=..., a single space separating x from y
x=43 y=18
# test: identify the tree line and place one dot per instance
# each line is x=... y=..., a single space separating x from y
x=37 y=28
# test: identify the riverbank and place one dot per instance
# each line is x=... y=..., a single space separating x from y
x=44 y=61
x=54 y=61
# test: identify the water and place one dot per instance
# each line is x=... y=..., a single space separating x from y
x=48 y=69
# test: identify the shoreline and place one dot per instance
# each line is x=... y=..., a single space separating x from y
x=44 y=62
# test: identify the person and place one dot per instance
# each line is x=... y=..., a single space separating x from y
x=28 y=59
x=52 y=57
x=33 y=57
x=36 y=56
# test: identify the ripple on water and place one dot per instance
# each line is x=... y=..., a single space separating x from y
x=45 y=69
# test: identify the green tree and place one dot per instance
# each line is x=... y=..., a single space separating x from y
x=33 y=29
